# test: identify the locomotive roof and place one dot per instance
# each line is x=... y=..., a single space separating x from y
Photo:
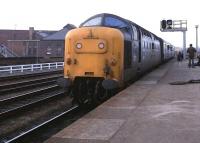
x=103 y=15
x=128 y=22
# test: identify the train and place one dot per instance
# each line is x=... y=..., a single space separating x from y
x=105 y=53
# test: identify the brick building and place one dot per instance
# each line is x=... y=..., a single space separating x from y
x=53 y=45
x=34 y=43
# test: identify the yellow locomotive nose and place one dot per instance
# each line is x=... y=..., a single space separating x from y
x=90 y=56
x=88 y=48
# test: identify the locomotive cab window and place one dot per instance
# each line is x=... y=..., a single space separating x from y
x=113 y=22
x=93 y=22
x=120 y=24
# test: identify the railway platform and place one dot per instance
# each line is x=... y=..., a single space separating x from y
x=149 y=111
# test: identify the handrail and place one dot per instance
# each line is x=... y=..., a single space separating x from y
x=30 y=67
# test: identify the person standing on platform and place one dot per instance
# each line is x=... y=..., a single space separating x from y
x=179 y=56
x=191 y=51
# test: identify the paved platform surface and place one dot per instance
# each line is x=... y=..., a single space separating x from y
x=149 y=111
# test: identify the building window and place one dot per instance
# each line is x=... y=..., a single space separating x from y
x=49 y=51
x=59 y=51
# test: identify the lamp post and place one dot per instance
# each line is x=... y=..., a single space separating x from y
x=196 y=26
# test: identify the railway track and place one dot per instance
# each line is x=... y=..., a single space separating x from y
x=19 y=103
x=29 y=75
x=19 y=138
x=23 y=82
x=27 y=85
x=33 y=103
x=21 y=95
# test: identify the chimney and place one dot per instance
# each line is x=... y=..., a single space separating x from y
x=31 y=31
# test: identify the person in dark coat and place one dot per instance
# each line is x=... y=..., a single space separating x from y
x=191 y=51
x=179 y=57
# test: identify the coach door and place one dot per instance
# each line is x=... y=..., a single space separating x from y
x=136 y=49
x=135 y=46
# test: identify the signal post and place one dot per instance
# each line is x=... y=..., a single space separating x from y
x=175 y=26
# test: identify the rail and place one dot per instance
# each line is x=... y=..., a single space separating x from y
x=30 y=67
x=20 y=137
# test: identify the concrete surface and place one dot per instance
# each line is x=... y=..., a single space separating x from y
x=149 y=111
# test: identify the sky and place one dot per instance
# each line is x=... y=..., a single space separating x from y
x=55 y=14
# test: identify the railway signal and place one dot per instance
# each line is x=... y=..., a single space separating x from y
x=175 y=26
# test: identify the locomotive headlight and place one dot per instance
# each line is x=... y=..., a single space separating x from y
x=78 y=45
x=101 y=45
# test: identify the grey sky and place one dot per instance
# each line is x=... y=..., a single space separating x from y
x=54 y=14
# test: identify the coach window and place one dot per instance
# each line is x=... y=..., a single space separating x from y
x=168 y=47
x=93 y=22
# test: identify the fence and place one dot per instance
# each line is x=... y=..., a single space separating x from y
x=30 y=67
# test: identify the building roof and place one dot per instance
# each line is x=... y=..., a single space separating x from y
x=6 y=35
x=44 y=34
x=60 y=35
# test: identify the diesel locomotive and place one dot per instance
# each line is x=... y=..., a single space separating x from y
x=106 y=52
